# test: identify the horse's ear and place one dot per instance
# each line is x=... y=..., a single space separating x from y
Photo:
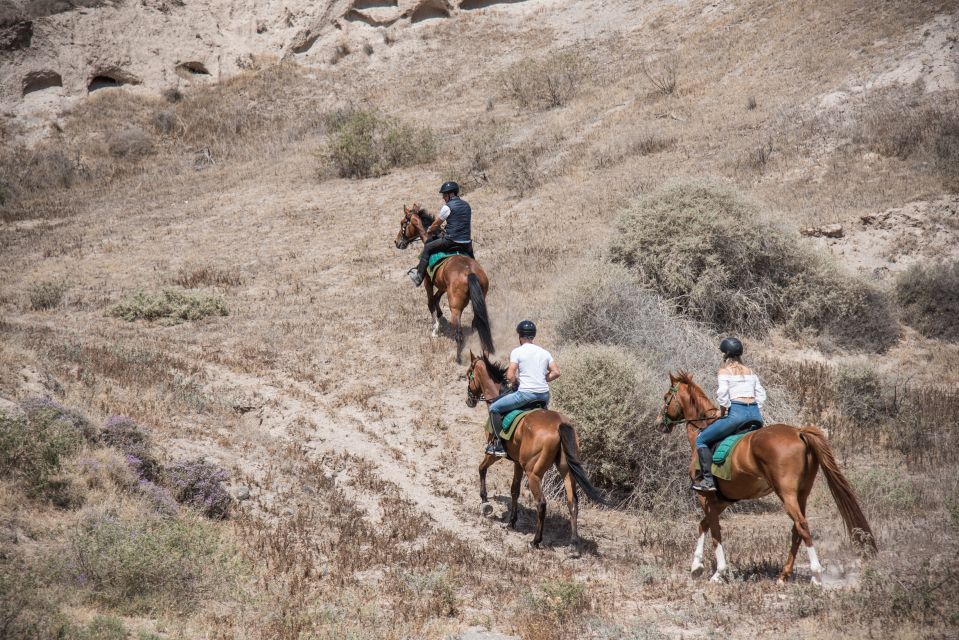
x=672 y=378
x=473 y=358
x=406 y=209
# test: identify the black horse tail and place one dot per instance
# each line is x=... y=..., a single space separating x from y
x=480 y=318
x=568 y=438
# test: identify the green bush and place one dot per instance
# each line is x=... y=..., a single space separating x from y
x=364 y=144
x=27 y=609
x=47 y=295
x=929 y=299
x=703 y=247
x=612 y=400
x=150 y=564
x=32 y=449
x=170 y=305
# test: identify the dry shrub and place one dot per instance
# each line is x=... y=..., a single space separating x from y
x=147 y=564
x=191 y=277
x=923 y=428
x=554 y=611
x=43 y=168
x=477 y=155
x=861 y=397
x=929 y=299
x=124 y=435
x=199 y=484
x=27 y=608
x=366 y=144
x=47 y=295
x=717 y=259
x=131 y=143
x=662 y=74
x=169 y=305
x=630 y=144
x=520 y=172
x=547 y=83
x=608 y=304
x=612 y=399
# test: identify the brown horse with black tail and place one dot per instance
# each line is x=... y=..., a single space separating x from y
x=542 y=439
x=777 y=457
x=460 y=277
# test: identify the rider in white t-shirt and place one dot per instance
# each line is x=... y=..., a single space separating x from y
x=532 y=368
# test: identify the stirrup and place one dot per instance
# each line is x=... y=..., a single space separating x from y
x=702 y=486
x=415 y=276
x=493 y=450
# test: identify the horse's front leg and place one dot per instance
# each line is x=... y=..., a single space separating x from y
x=713 y=508
x=697 y=569
x=514 y=494
x=455 y=314
x=433 y=303
x=484 y=465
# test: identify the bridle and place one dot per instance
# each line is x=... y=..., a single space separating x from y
x=669 y=422
x=473 y=398
x=404 y=226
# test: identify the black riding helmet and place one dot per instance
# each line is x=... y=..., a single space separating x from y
x=450 y=187
x=526 y=329
x=732 y=347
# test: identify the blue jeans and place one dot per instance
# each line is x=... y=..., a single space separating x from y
x=517 y=399
x=738 y=415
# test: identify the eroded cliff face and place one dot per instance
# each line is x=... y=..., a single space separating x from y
x=54 y=52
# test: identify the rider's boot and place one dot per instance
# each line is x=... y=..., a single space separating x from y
x=495 y=448
x=415 y=276
x=707 y=484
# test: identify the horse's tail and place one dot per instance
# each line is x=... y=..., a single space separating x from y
x=842 y=492
x=480 y=317
x=567 y=437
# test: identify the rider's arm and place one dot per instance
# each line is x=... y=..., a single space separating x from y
x=722 y=391
x=760 y=393
x=552 y=372
x=511 y=373
x=440 y=219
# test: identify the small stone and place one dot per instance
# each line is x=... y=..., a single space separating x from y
x=289 y=512
x=241 y=493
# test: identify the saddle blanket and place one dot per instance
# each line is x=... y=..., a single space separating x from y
x=722 y=456
x=437 y=259
x=510 y=421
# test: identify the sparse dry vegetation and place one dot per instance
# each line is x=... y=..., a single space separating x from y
x=331 y=430
x=929 y=298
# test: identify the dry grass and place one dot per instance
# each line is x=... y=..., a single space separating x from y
x=328 y=346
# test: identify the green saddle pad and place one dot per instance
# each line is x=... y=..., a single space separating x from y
x=722 y=457
x=437 y=259
x=510 y=421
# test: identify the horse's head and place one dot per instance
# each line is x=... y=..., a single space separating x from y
x=684 y=403
x=484 y=379
x=411 y=227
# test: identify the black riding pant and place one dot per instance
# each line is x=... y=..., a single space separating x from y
x=438 y=245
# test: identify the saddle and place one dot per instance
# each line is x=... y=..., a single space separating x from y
x=512 y=419
x=722 y=450
x=439 y=258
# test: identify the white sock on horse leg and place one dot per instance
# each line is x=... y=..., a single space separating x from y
x=698 y=554
x=720 y=563
x=814 y=565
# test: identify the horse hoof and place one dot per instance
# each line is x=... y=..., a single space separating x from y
x=816 y=580
x=533 y=545
x=717 y=578
x=486 y=509
x=781 y=581
x=697 y=571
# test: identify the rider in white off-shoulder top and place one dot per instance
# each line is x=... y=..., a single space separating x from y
x=740 y=394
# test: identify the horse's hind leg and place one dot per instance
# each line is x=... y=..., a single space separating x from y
x=572 y=500
x=455 y=314
x=795 y=506
x=536 y=488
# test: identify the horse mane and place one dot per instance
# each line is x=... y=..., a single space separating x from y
x=700 y=401
x=497 y=371
x=426 y=218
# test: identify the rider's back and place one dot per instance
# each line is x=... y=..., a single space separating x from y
x=533 y=362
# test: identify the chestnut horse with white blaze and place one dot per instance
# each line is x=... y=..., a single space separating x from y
x=460 y=277
x=777 y=458
x=542 y=439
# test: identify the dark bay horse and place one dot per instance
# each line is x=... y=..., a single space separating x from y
x=777 y=458
x=461 y=278
x=542 y=439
